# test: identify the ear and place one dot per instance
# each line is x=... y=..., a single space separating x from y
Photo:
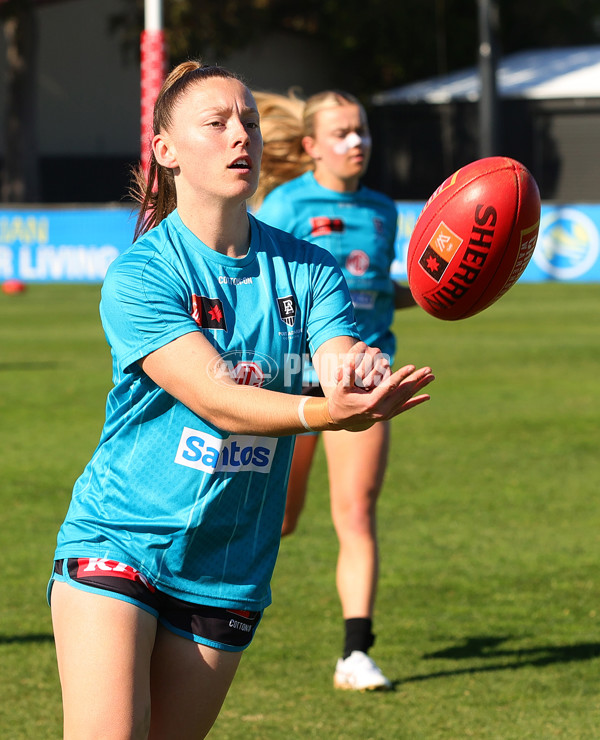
x=311 y=147
x=164 y=151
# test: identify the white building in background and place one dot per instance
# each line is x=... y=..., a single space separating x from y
x=548 y=118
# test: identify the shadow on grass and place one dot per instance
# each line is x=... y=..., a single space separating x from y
x=24 y=639
x=488 y=649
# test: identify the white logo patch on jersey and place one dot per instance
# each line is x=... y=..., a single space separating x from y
x=239 y=453
x=287 y=309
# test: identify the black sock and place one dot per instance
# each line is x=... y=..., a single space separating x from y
x=358 y=635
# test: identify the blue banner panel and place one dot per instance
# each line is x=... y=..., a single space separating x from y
x=63 y=244
x=70 y=244
x=567 y=248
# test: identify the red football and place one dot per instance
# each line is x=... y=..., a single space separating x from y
x=474 y=238
x=13 y=286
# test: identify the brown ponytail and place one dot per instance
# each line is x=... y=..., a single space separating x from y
x=156 y=192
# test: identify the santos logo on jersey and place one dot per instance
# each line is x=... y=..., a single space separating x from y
x=236 y=454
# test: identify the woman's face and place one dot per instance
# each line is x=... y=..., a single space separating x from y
x=213 y=144
x=341 y=146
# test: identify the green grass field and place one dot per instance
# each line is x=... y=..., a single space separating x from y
x=488 y=616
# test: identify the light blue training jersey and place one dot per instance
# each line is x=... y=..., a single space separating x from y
x=359 y=230
x=198 y=511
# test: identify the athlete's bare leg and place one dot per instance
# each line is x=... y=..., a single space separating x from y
x=356 y=463
x=189 y=684
x=124 y=678
x=103 y=647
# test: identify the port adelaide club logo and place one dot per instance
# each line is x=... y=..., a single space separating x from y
x=287 y=309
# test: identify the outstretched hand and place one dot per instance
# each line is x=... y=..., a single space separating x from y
x=364 y=366
x=367 y=391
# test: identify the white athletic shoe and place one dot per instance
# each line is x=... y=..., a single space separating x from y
x=360 y=673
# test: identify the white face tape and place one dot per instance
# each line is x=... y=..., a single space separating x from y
x=350 y=141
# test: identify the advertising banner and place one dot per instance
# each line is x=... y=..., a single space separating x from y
x=67 y=245
x=70 y=244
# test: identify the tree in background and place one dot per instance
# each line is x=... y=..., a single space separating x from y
x=19 y=175
x=370 y=45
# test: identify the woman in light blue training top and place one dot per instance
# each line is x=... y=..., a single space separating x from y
x=324 y=145
x=163 y=563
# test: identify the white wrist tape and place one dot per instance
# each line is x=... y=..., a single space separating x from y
x=301 y=416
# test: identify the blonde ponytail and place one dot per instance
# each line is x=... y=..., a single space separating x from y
x=282 y=127
x=284 y=121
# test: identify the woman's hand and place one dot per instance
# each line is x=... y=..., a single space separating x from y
x=370 y=366
x=367 y=391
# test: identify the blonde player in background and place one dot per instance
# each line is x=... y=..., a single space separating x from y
x=315 y=153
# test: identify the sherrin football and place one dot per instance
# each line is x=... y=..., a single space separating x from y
x=473 y=238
